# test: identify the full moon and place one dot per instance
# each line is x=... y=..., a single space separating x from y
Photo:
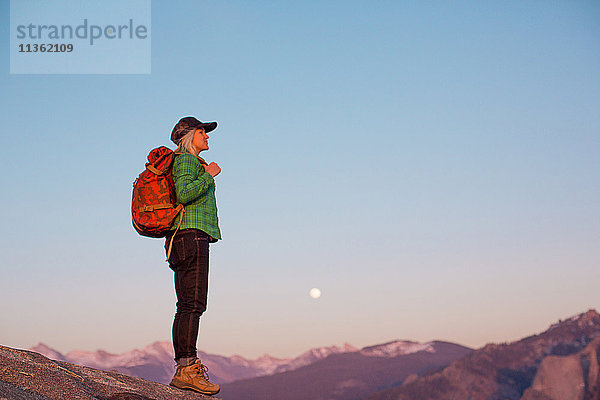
x=315 y=293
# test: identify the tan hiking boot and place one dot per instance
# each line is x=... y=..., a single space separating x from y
x=194 y=377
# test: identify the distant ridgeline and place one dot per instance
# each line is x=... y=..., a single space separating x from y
x=527 y=369
x=561 y=363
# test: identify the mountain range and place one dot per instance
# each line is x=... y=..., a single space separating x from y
x=512 y=371
x=343 y=370
x=561 y=363
x=351 y=375
x=155 y=361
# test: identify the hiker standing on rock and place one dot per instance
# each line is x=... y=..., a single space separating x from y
x=195 y=189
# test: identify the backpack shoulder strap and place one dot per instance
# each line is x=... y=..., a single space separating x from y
x=202 y=161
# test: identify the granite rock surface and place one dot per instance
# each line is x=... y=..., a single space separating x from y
x=26 y=375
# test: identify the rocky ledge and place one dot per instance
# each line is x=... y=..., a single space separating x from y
x=25 y=375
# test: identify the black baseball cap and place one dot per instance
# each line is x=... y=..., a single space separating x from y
x=187 y=124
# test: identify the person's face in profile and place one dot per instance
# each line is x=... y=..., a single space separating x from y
x=200 y=140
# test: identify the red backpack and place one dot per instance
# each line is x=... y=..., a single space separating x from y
x=154 y=202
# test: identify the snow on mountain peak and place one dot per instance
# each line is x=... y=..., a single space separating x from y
x=397 y=348
x=322 y=352
x=313 y=355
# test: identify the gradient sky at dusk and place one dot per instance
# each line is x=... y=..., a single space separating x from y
x=432 y=167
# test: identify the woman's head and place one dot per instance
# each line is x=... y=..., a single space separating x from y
x=187 y=124
x=193 y=142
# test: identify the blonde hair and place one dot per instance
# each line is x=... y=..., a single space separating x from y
x=185 y=144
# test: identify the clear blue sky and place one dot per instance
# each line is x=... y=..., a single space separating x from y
x=432 y=167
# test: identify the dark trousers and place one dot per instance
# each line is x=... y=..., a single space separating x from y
x=189 y=261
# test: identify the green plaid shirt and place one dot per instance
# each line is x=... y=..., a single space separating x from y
x=196 y=191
